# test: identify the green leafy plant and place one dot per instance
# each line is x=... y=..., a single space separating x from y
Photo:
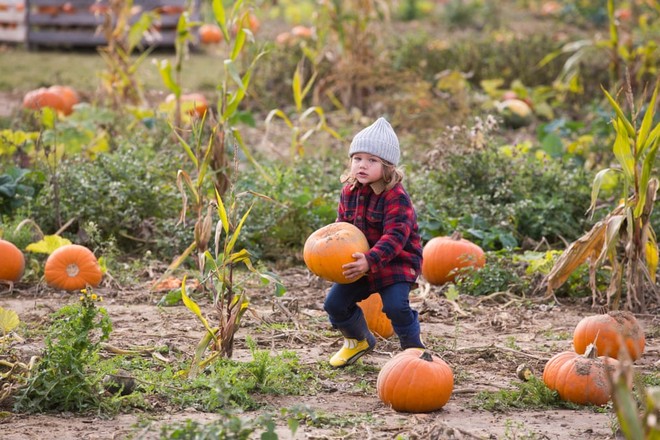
x=625 y=236
x=124 y=36
x=63 y=379
x=525 y=394
x=300 y=132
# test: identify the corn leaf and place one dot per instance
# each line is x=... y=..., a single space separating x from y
x=628 y=126
x=241 y=36
x=647 y=169
x=248 y=154
x=165 y=70
x=623 y=152
x=651 y=254
x=647 y=121
x=595 y=188
x=193 y=307
x=237 y=231
x=220 y=17
x=297 y=88
x=222 y=212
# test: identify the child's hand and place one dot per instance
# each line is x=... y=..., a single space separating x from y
x=357 y=268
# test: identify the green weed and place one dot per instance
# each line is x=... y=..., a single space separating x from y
x=533 y=394
x=64 y=378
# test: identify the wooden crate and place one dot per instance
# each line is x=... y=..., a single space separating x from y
x=12 y=21
x=75 y=23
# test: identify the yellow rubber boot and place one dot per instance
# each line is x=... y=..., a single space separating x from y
x=351 y=352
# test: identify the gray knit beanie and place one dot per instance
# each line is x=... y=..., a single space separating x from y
x=378 y=139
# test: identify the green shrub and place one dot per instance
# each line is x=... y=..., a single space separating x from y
x=306 y=193
x=488 y=193
x=130 y=195
x=63 y=379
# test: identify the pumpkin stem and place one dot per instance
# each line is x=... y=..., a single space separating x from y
x=456 y=235
x=427 y=356
x=591 y=352
x=72 y=270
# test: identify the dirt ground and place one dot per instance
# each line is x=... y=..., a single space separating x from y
x=483 y=343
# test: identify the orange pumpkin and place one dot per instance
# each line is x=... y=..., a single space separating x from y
x=415 y=381
x=443 y=257
x=610 y=333
x=210 y=33
x=42 y=97
x=72 y=267
x=580 y=379
x=68 y=95
x=191 y=103
x=377 y=321
x=332 y=246
x=12 y=262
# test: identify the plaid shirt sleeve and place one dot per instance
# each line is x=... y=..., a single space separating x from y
x=398 y=222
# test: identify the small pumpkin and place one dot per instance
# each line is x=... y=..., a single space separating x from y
x=210 y=33
x=415 y=381
x=191 y=103
x=377 y=321
x=12 y=262
x=610 y=333
x=43 y=97
x=72 y=267
x=580 y=379
x=443 y=257
x=327 y=249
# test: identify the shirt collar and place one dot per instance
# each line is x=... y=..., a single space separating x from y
x=378 y=187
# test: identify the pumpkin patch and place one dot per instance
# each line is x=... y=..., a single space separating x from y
x=72 y=267
x=610 y=333
x=415 y=381
x=12 y=262
x=443 y=257
x=581 y=379
x=377 y=320
x=327 y=249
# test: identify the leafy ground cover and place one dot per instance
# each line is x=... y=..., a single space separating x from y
x=112 y=176
x=484 y=344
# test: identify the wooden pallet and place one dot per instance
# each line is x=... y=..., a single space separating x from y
x=12 y=21
x=76 y=23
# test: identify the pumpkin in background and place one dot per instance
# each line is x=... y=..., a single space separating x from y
x=69 y=97
x=415 y=381
x=42 y=97
x=12 y=262
x=72 y=267
x=377 y=321
x=191 y=103
x=580 y=379
x=210 y=33
x=610 y=333
x=327 y=249
x=442 y=257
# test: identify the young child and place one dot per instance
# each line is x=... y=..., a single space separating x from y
x=374 y=200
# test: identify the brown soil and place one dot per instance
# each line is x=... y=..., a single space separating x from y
x=483 y=342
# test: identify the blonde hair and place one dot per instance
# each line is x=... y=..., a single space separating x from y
x=391 y=175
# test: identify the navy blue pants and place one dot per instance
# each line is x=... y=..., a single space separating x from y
x=345 y=315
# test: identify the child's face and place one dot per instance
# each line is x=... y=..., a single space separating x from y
x=366 y=168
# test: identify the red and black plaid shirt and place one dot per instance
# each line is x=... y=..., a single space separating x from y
x=389 y=222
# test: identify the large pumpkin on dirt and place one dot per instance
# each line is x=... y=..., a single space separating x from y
x=327 y=249
x=415 y=381
x=377 y=321
x=12 y=262
x=581 y=379
x=443 y=257
x=610 y=333
x=72 y=267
